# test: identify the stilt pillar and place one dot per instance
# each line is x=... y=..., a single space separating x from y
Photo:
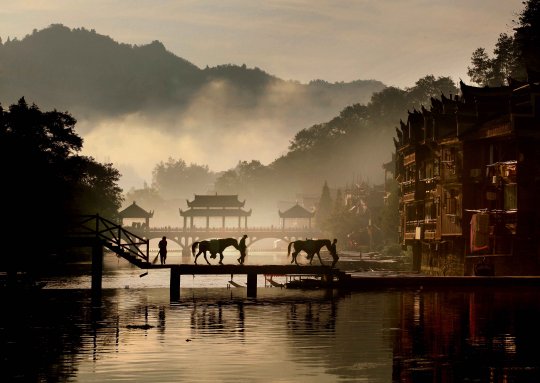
x=175 y=283
x=252 y=285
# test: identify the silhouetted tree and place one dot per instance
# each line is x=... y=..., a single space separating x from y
x=516 y=56
x=147 y=196
x=176 y=179
x=324 y=207
x=527 y=37
x=247 y=178
x=430 y=87
x=496 y=71
x=47 y=182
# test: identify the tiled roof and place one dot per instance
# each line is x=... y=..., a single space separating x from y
x=296 y=211
x=135 y=211
x=215 y=200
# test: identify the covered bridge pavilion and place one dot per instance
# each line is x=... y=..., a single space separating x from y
x=212 y=206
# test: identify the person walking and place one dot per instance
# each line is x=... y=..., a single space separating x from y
x=163 y=250
x=243 y=248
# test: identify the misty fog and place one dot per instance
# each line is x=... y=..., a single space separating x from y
x=213 y=130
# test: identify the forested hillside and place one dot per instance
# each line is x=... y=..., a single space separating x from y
x=88 y=73
x=354 y=143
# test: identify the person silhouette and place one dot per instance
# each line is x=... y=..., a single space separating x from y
x=163 y=250
x=243 y=248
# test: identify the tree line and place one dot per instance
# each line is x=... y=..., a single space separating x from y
x=47 y=183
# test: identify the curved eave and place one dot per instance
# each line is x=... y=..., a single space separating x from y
x=281 y=215
x=215 y=213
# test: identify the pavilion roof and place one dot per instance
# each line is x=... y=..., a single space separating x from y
x=215 y=200
x=296 y=211
x=135 y=211
x=215 y=213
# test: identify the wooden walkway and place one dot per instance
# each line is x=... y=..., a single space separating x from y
x=204 y=269
x=251 y=271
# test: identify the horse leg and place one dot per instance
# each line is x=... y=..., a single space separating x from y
x=206 y=259
x=294 y=255
x=197 y=256
x=320 y=260
x=221 y=258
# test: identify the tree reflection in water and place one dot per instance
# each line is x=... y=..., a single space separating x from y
x=377 y=336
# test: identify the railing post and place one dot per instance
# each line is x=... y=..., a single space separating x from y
x=97 y=225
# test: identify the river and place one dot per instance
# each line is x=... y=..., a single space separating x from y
x=214 y=333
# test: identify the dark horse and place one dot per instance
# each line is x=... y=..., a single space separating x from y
x=215 y=246
x=312 y=247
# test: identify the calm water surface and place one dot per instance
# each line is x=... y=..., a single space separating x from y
x=215 y=334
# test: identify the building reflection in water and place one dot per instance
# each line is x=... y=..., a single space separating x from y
x=484 y=335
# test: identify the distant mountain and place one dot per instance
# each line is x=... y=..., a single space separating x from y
x=91 y=75
x=138 y=105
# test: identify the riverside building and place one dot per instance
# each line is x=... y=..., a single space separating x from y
x=469 y=174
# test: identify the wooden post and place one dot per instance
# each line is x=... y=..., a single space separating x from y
x=97 y=267
x=252 y=285
x=175 y=283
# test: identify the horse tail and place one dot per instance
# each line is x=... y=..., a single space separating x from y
x=194 y=247
x=289 y=248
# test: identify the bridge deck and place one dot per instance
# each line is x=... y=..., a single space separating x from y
x=192 y=269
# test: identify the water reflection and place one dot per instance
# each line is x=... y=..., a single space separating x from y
x=215 y=335
x=487 y=335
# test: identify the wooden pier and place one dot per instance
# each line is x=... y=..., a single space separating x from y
x=252 y=271
x=99 y=233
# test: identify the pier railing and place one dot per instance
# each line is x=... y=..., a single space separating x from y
x=126 y=244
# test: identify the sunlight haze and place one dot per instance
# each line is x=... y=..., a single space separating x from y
x=390 y=41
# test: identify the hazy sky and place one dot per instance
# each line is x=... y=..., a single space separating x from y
x=393 y=41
